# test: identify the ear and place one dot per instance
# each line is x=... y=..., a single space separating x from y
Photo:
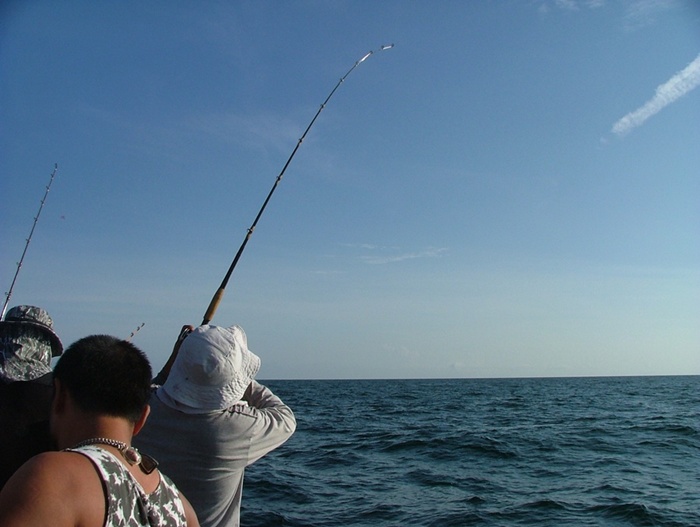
x=58 y=403
x=142 y=420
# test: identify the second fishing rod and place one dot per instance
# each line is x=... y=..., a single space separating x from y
x=216 y=300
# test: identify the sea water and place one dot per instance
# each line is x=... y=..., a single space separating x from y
x=609 y=451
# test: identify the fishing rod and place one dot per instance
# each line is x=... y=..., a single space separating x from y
x=135 y=332
x=26 y=245
x=214 y=304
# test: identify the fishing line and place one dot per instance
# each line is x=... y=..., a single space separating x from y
x=8 y=294
x=216 y=300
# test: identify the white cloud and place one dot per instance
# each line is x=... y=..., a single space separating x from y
x=566 y=4
x=680 y=84
x=572 y=5
x=262 y=131
x=367 y=246
x=643 y=13
x=385 y=259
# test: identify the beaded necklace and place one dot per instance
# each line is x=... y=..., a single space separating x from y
x=129 y=453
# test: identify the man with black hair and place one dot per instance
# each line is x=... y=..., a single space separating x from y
x=102 y=386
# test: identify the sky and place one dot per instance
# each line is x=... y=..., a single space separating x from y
x=512 y=190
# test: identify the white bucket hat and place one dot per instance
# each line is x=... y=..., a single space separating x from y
x=213 y=368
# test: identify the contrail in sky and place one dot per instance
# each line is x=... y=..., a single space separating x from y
x=681 y=83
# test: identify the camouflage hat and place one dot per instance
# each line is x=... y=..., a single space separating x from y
x=27 y=343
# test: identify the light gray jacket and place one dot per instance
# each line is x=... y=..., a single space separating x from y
x=205 y=454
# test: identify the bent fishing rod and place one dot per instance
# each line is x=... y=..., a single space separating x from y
x=216 y=300
x=26 y=245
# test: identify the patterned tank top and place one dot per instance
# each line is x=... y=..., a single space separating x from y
x=128 y=505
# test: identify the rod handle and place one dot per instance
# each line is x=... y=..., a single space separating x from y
x=213 y=306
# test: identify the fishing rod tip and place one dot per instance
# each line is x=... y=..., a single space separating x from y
x=382 y=48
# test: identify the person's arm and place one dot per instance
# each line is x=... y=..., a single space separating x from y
x=51 y=489
x=259 y=396
x=190 y=514
x=275 y=421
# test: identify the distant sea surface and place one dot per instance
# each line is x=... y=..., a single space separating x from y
x=608 y=451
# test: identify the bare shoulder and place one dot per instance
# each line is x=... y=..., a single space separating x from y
x=53 y=488
x=190 y=514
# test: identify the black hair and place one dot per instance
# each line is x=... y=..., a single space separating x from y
x=106 y=375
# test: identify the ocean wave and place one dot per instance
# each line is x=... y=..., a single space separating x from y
x=493 y=453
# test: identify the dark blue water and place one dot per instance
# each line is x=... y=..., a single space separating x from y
x=621 y=451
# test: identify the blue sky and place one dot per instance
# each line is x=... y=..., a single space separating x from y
x=512 y=190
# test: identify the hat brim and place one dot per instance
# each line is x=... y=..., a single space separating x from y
x=54 y=341
x=16 y=370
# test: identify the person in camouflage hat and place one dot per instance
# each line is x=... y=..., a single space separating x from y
x=28 y=342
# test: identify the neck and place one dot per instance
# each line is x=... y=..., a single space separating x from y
x=74 y=431
x=71 y=425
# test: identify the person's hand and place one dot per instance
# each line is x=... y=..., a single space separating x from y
x=186 y=330
x=163 y=375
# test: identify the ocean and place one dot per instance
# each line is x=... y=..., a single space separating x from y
x=603 y=451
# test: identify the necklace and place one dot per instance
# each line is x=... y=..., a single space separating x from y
x=132 y=456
